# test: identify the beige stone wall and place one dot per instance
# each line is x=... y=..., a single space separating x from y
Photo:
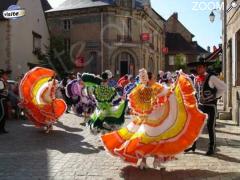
x=233 y=33
x=236 y=105
x=22 y=38
x=3 y=44
x=106 y=30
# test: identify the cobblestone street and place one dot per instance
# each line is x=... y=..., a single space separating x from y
x=71 y=152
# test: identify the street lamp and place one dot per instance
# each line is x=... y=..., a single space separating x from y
x=212 y=17
x=234 y=3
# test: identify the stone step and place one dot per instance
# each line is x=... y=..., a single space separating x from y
x=225 y=115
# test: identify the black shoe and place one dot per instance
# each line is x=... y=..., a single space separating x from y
x=193 y=148
x=190 y=149
x=3 y=132
x=210 y=152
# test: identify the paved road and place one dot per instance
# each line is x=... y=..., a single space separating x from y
x=71 y=152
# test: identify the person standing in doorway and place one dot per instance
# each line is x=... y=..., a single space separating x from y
x=3 y=99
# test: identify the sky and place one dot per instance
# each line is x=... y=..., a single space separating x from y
x=194 y=15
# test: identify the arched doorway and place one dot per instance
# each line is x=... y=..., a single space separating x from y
x=125 y=64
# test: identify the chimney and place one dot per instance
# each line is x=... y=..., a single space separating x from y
x=208 y=49
x=146 y=4
x=175 y=15
x=195 y=43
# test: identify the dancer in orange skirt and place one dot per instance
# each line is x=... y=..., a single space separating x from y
x=165 y=122
x=37 y=93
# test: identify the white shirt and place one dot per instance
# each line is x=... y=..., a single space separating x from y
x=2 y=85
x=221 y=87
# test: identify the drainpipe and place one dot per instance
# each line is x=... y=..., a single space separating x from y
x=224 y=64
x=102 y=39
x=238 y=108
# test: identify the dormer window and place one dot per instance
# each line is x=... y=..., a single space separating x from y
x=126 y=3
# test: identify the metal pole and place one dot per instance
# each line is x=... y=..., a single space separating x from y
x=224 y=63
x=102 y=43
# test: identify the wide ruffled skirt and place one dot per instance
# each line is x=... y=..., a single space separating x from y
x=38 y=109
x=167 y=131
x=112 y=115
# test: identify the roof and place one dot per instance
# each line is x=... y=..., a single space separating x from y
x=4 y=6
x=176 y=43
x=45 y=5
x=81 y=4
x=214 y=55
x=175 y=16
x=201 y=49
x=164 y=20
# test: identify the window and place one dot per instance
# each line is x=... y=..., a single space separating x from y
x=126 y=3
x=67 y=45
x=171 y=61
x=126 y=27
x=36 y=43
x=67 y=24
x=152 y=39
x=184 y=60
x=129 y=27
x=126 y=34
x=92 y=61
x=158 y=44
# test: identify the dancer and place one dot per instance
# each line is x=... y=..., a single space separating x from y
x=111 y=81
x=83 y=101
x=37 y=94
x=209 y=89
x=108 y=115
x=165 y=122
x=68 y=78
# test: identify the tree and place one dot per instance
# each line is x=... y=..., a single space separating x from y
x=217 y=66
x=180 y=62
x=56 y=57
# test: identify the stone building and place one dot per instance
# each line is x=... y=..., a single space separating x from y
x=232 y=60
x=20 y=39
x=120 y=35
x=179 y=43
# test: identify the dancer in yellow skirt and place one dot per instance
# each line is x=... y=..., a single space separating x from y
x=165 y=122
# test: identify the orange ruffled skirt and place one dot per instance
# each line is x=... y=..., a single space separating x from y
x=37 y=93
x=166 y=131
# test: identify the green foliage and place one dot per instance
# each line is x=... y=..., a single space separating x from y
x=56 y=57
x=180 y=62
x=217 y=66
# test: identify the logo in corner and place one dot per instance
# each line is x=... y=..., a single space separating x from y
x=13 y=12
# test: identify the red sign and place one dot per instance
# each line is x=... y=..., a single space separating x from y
x=165 y=50
x=79 y=62
x=145 y=36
